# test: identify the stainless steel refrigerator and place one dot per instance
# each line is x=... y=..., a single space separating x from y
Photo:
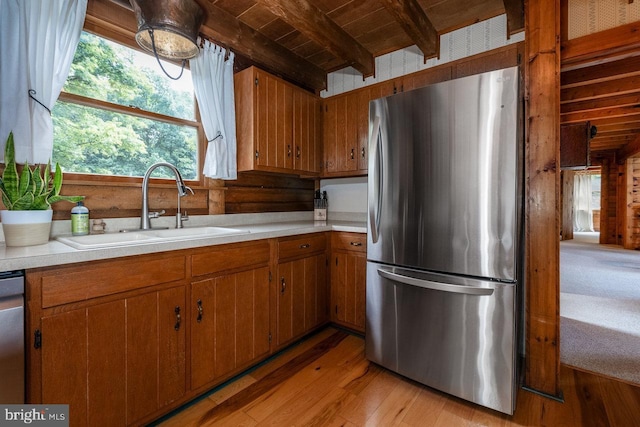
x=444 y=235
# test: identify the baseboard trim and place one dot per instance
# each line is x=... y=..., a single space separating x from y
x=559 y=398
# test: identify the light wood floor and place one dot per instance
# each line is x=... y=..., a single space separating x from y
x=326 y=381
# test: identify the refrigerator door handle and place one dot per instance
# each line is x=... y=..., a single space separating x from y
x=438 y=286
x=376 y=171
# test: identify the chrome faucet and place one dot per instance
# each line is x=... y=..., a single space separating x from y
x=145 y=217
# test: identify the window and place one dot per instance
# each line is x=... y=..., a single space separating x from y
x=118 y=114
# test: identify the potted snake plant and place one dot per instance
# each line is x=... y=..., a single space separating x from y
x=27 y=197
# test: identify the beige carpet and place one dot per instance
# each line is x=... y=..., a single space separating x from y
x=600 y=307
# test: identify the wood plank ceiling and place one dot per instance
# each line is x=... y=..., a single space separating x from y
x=600 y=83
x=303 y=40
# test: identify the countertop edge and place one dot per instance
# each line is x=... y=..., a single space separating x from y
x=57 y=253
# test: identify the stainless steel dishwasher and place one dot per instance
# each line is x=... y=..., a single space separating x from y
x=12 y=385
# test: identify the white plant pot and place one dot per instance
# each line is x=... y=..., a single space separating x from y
x=26 y=228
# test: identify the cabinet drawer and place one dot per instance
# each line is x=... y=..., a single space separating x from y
x=301 y=246
x=342 y=241
x=73 y=284
x=230 y=257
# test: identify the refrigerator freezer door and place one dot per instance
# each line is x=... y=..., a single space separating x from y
x=459 y=340
x=444 y=177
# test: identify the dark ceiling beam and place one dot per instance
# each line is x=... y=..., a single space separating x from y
x=515 y=15
x=632 y=149
x=416 y=24
x=225 y=29
x=313 y=23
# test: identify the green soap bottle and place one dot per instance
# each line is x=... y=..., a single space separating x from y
x=79 y=220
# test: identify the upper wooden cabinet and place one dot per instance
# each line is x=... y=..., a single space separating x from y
x=277 y=125
x=346 y=133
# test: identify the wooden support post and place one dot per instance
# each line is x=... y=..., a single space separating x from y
x=542 y=24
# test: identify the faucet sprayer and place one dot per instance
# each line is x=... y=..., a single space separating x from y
x=145 y=217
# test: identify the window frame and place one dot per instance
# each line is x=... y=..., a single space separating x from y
x=127 y=39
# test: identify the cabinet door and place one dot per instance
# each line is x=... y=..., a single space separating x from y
x=230 y=324
x=64 y=363
x=83 y=363
x=306 y=142
x=273 y=122
x=302 y=297
x=348 y=282
x=156 y=372
x=363 y=97
x=345 y=126
x=331 y=134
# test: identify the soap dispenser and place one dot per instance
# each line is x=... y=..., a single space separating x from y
x=79 y=220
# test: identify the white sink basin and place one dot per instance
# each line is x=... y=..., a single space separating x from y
x=194 y=232
x=129 y=238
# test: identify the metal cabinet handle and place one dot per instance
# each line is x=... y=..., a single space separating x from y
x=288 y=150
x=283 y=285
x=305 y=246
x=178 y=318
x=356 y=244
x=364 y=153
x=199 y=318
x=297 y=152
x=353 y=153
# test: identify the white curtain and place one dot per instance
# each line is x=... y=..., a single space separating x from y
x=213 y=84
x=582 y=213
x=37 y=42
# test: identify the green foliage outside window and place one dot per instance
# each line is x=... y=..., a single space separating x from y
x=94 y=140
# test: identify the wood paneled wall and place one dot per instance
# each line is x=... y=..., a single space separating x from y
x=631 y=206
x=609 y=200
x=255 y=192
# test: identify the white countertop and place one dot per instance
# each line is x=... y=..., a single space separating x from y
x=259 y=226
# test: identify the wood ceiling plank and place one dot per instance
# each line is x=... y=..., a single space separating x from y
x=277 y=30
x=607 y=113
x=612 y=140
x=328 y=6
x=584 y=50
x=614 y=127
x=597 y=104
x=626 y=67
x=227 y=30
x=257 y=17
x=450 y=15
x=622 y=86
x=234 y=7
x=353 y=11
x=395 y=38
x=312 y=22
x=416 y=24
x=618 y=134
x=617 y=120
x=631 y=149
x=308 y=49
x=515 y=15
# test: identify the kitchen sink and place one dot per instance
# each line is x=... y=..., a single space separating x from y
x=134 y=237
x=194 y=232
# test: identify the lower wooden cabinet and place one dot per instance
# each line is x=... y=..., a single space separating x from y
x=348 y=279
x=229 y=325
x=115 y=362
x=301 y=286
x=124 y=341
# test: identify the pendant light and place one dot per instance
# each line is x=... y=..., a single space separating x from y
x=168 y=29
